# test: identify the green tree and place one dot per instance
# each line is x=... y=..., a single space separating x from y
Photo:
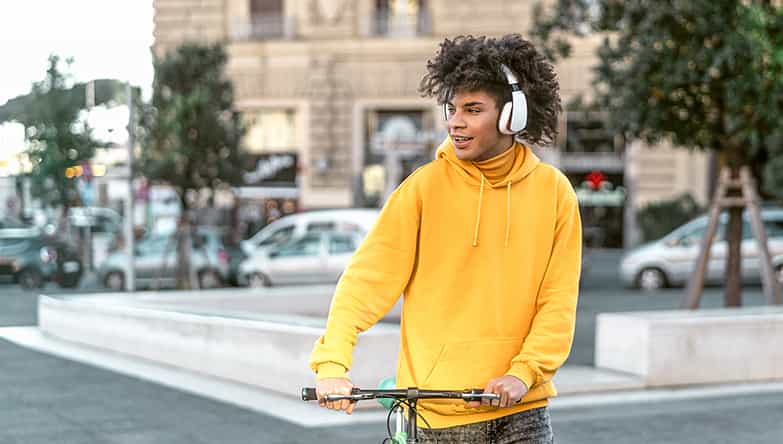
x=191 y=133
x=703 y=74
x=55 y=139
x=50 y=114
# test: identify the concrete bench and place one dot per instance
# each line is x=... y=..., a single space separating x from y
x=269 y=351
x=693 y=347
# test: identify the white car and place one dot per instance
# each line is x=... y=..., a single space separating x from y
x=671 y=260
x=318 y=257
x=294 y=226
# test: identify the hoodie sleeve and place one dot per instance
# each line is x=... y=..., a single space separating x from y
x=373 y=281
x=552 y=331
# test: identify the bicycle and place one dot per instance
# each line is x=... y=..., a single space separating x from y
x=394 y=399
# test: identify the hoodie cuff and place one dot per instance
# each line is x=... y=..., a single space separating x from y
x=524 y=373
x=330 y=370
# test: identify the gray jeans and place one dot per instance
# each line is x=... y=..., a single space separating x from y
x=528 y=427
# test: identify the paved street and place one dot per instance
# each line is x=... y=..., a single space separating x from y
x=44 y=399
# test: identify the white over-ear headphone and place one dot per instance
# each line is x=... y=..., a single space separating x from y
x=513 y=115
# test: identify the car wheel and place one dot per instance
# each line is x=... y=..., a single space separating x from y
x=209 y=279
x=258 y=280
x=30 y=279
x=651 y=279
x=115 y=281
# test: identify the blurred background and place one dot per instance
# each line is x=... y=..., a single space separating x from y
x=203 y=144
x=312 y=105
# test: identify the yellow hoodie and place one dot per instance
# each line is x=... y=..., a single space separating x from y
x=489 y=275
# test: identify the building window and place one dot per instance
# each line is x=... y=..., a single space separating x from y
x=271 y=150
x=266 y=20
x=587 y=133
x=271 y=130
x=400 y=18
x=266 y=7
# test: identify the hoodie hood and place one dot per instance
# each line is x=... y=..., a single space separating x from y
x=525 y=161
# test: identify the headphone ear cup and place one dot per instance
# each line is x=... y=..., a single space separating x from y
x=505 y=119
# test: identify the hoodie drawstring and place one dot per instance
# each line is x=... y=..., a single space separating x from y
x=508 y=212
x=478 y=214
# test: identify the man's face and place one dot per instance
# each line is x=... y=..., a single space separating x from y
x=473 y=126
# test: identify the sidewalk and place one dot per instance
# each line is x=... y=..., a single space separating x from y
x=578 y=386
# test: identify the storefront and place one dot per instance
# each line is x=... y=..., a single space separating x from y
x=269 y=190
x=398 y=142
x=592 y=159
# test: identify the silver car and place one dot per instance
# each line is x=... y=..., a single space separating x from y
x=318 y=257
x=156 y=261
x=671 y=260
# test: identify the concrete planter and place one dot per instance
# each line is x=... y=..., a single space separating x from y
x=693 y=347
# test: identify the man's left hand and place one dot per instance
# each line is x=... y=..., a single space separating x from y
x=510 y=388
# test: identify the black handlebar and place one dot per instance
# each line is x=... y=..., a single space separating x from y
x=412 y=393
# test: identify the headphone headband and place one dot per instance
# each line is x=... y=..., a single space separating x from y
x=510 y=76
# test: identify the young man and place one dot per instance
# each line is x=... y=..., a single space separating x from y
x=484 y=243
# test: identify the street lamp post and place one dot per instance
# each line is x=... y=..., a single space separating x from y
x=130 y=271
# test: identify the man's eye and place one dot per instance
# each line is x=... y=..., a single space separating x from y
x=474 y=111
x=451 y=110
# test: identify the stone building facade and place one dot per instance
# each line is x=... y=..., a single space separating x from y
x=335 y=82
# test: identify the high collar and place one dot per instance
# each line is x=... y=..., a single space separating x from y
x=524 y=162
x=496 y=169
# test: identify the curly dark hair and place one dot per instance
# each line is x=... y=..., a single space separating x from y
x=469 y=63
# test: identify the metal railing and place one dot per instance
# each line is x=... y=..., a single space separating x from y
x=264 y=27
x=387 y=23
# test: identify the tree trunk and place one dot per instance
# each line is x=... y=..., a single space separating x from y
x=183 y=251
x=733 y=290
x=732 y=296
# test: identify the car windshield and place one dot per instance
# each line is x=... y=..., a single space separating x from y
x=341 y=243
x=309 y=245
x=279 y=236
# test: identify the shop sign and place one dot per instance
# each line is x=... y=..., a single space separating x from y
x=271 y=169
x=597 y=191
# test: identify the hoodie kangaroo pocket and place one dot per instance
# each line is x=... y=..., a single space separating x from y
x=468 y=365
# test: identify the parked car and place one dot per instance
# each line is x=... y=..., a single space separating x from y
x=316 y=257
x=156 y=260
x=671 y=260
x=297 y=225
x=31 y=259
x=98 y=219
x=10 y=226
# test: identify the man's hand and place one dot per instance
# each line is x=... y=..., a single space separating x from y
x=510 y=388
x=334 y=386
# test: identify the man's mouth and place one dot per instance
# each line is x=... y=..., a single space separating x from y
x=460 y=139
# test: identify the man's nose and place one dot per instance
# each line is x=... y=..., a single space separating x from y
x=456 y=120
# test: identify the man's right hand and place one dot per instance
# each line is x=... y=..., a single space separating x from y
x=334 y=386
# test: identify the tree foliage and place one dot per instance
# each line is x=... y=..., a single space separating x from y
x=55 y=140
x=704 y=74
x=191 y=133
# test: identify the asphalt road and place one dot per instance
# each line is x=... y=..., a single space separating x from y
x=44 y=399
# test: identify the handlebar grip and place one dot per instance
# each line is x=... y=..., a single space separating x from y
x=308 y=394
